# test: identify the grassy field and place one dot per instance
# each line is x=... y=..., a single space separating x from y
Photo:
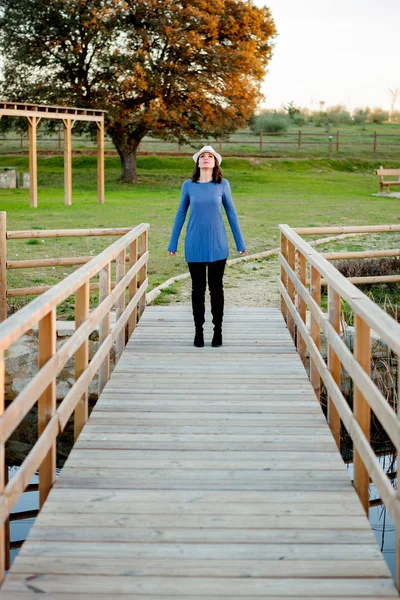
x=266 y=192
x=354 y=141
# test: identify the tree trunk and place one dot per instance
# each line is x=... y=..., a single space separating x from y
x=128 y=165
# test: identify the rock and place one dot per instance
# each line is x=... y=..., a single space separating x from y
x=19 y=383
x=19 y=355
x=62 y=389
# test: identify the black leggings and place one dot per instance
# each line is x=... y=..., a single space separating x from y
x=215 y=275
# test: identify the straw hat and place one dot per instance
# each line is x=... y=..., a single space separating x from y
x=209 y=149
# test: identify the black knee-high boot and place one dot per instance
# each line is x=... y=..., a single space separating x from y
x=198 y=274
x=215 y=284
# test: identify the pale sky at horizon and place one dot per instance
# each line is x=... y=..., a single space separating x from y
x=339 y=51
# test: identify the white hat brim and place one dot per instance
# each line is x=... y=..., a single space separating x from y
x=209 y=149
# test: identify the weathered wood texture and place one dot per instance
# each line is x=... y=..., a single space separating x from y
x=203 y=474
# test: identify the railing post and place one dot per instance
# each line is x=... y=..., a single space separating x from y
x=104 y=328
x=361 y=409
x=315 y=289
x=302 y=272
x=261 y=141
x=334 y=362
x=337 y=140
x=299 y=141
x=120 y=273
x=284 y=277
x=47 y=402
x=3 y=548
x=143 y=271
x=375 y=141
x=397 y=524
x=3 y=266
x=290 y=288
x=81 y=357
x=132 y=287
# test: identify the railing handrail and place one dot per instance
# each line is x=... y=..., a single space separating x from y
x=41 y=389
x=367 y=396
x=19 y=323
x=375 y=317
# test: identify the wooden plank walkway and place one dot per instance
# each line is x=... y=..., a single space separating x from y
x=203 y=474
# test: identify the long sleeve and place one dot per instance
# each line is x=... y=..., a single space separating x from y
x=179 y=219
x=232 y=217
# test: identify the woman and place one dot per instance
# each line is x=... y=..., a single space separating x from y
x=206 y=244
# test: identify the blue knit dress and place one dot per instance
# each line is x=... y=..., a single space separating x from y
x=206 y=239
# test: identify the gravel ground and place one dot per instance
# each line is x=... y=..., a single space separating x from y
x=250 y=283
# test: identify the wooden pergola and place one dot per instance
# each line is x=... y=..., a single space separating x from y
x=34 y=113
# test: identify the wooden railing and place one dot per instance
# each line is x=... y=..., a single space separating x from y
x=42 y=388
x=6 y=265
x=296 y=298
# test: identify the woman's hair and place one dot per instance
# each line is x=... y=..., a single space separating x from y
x=216 y=174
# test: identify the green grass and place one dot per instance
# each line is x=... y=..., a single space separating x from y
x=304 y=192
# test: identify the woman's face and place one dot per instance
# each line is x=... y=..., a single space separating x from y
x=206 y=160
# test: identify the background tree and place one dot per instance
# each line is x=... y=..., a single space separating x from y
x=176 y=69
x=394 y=93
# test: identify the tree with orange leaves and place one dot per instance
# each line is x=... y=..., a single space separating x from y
x=174 y=69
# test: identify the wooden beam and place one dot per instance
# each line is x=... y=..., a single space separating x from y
x=120 y=273
x=132 y=287
x=104 y=328
x=143 y=240
x=334 y=362
x=47 y=403
x=302 y=272
x=81 y=357
x=32 y=124
x=315 y=331
x=290 y=287
x=100 y=162
x=362 y=412
x=68 y=124
x=3 y=549
x=284 y=277
x=3 y=266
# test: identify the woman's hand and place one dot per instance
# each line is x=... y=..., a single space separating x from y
x=242 y=252
x=172 y=253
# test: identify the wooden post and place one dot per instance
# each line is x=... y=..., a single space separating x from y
x=302 y=273
x=261 y=141
x=68 y=124
x=59 y=138
x=3 y=266
x=3 y=550
x=334 y=362
x=32 y=125
x=375 y=141
x=284 y=277
x=104 y=328
x=100 y=162
x=330 y=147
x=337 y=140
x=120 y=273
x=361 y=409
x=299 y=141
x=7 y=530
x=143 y=271
x=397 y=525
x=81 y=412
x=132 y=287
x=315 y=290
x=47 y=402
x=290 y=287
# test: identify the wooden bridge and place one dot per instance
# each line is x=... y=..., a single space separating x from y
x=201 y=473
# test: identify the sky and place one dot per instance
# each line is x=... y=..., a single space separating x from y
x=335 y=51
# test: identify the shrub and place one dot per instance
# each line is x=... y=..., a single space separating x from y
x=360 y=116
x=270 y=123
x=378 y=115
